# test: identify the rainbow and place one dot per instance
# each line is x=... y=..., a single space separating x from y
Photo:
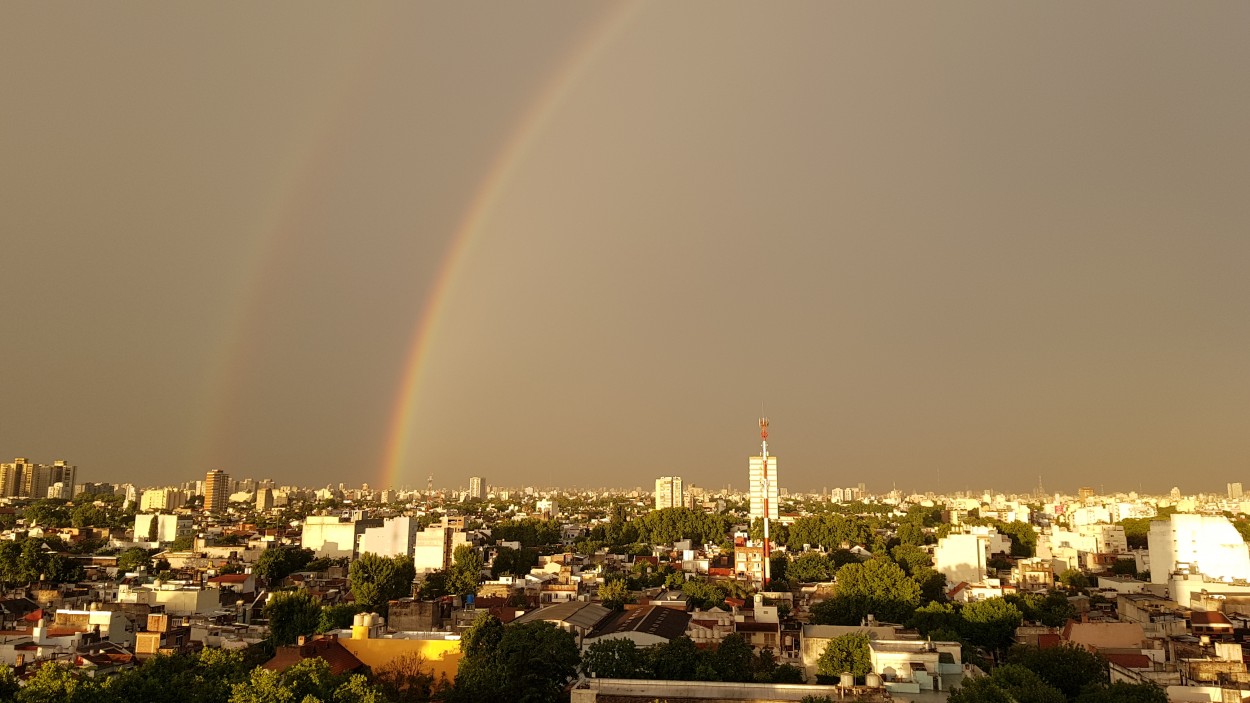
x=481 y=206
x=278 y=226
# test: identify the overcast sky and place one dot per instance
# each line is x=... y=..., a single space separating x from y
x=942 y=246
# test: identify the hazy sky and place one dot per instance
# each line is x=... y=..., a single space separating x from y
x=945 y=246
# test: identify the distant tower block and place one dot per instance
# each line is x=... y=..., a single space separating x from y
x=763 y=479
x=764 y=493
x=669 y=493
x=216 y=491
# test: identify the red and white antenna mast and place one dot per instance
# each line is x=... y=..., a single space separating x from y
x=764 y=485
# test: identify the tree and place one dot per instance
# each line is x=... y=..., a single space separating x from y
x=528 y=663
x=1068 y=668
x=465 y=574
x=615 y=659
x=377 y=580
x=89 y=515
x=1007 y=684
x=702 y=593
x=134 y=559
x=934 y=617
x=810 y=567
x=433 y=585
x=337 y=617
x=291 y=614
x=910 y=534
x=1074 y=579
x=276 y=563
x=877 y=587
x=1123 y=692
x=406 y=678
x=1023 y=537
x=731 y=660
x=9 y=684
x=845 y=654
x=676 y=660
x=614 y=593
x=54 y=683
x=1124 y=567
x=991 y=623
x=48 y=512
x=517 y=562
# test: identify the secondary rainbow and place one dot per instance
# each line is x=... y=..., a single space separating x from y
x=482 y=205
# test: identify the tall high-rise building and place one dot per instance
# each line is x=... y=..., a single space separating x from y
x=669 y=493
x=1234 y=491
x=12 y=476
x=763 y=481
x=475 y=487
x=28 y=480
x=216 y=491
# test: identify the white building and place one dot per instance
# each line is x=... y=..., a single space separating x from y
x=178 y=598
x=1206 y=545
x=669 y=493
x=436 y=544
x=396 y=537
x=162 y=499
x=161 y=528
x=962 y=557
x=761 y=490
x=332 y=536
x=548 y=507
x=475 y=488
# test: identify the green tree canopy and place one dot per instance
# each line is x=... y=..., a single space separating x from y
x=465 y=574
x=845 y=654
x=1010 y=683
x=278 y=562
x=291 y=614
x=991 y=623
x=527 y=663
x=670 y=525
x=1068 y=668
x=376 y=580
x=877 y=587
x=614 y=593
x=810 y=567
x=615 y=659
x=134 y=559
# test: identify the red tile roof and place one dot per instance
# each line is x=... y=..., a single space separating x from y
x=1129 y=661
x=1209 y=617
x=340 y=659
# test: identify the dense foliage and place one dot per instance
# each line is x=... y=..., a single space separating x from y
x=680 y=660
x=377 y=580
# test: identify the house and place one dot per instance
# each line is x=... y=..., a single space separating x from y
x=1094 y=636
x=578 y=617
x=1212 y=624
x=237 y=583
x=645 y=625
x=912 y=666
x=326 y=647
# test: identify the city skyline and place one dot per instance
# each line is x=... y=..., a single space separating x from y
x=547 y=244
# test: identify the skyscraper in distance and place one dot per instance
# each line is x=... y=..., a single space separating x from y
x=475 y=487
x=669 y=492
x=216 y=491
